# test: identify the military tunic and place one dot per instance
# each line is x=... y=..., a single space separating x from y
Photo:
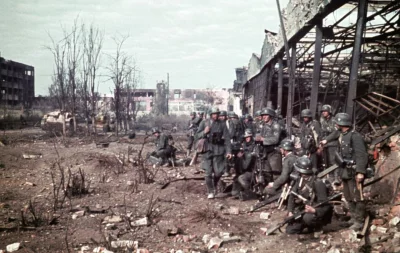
x=218 y=145
x=272 y=159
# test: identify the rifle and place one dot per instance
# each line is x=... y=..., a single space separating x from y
x=265 y=202
x=194 y=159
x=380 y=178
x=299 y=215
x=282 y=196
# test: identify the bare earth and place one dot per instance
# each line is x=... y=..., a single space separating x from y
x=117 y=189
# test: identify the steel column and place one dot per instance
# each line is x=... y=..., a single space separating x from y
x=352 y=90
x=317 y=67
x=280 y=83
x=289 y=111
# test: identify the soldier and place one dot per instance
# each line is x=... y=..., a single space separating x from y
x=223 y=116
x=313 y=191
x=286 y=149
x=248 y=123
x=329 y=136
x=246 y=161
x=163 y=149
x=270 y=138
x=201 y=115
x=258 y=121
x=192 y=129
x=309 y=134
x=217 y=136
x=354 y=154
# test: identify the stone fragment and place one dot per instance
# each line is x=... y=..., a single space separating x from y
x=110 y=226
x=101 y=250
x=378 y=222
x=224 y=234
x=31 y=156
x=373 y=228
x=112 y=219
x=141 y=222
x=396 y=235
x=374 y=238
x=334 y=250
x=243 y=251
x=13 y=247
x=384 y=211
x=130 y=183
x=214 y=243
x=85 y=248
x=142 y=251
x=206 y=238
x=382 y=230
x=265 y=216
x=231 y=239
x=264 y=230
x=395 y=211
x=393 y=222
x=30 y=184
x=338 y=209
x=78 y=214
x=179 y=251
x=234 y=210
x=173 y=231
x=349 y=235
x=125 y=244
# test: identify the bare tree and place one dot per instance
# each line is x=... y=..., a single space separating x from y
x=73 y=55
x=59 y=87
x=121 y=69
x=92 y=39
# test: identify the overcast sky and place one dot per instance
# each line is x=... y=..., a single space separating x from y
x=198 y=42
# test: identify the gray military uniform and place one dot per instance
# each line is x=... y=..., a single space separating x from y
x=272 y=164
x=287 y=169
x=331 y=135
x=352 y=148
x=218 y=145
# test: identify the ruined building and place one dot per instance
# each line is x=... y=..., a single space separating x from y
x=17 y=83
x=346 y=53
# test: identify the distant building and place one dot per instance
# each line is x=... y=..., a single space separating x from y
x=178 y=101
x=17 y=83
x=236 y=94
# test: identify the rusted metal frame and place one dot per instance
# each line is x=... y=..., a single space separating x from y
x=389 y=98
x=366 y=108
x=330 y=78
x=391 y=110
x=379 y=101
x=372 y=105
x=317 y=67
x=352 y=88
x=390 y=24
x=385 y=77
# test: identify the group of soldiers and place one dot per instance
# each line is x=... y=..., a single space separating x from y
x=264 y=161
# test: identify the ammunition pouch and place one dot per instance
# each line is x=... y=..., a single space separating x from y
x=370 y=173
x=216 y=138
x=236 y=146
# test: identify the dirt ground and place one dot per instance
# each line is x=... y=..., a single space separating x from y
x=179 y=216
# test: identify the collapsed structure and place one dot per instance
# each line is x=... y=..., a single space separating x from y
x=341 y=49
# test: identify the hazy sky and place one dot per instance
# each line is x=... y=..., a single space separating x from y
x=198 y=42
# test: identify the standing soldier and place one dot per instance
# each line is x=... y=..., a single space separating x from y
x=236 y=130
x=312 y=191
x=192 y=129
x=248 y=123
x=329 y=136
x=309 y=135
x=218 y=144
x=270 y=138
x=353 y=152
x=286 y=148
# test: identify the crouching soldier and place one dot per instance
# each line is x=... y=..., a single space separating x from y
x=308 y=191
x=164 y=150
x=216 y=135
x=245 y=164
x=286 y=148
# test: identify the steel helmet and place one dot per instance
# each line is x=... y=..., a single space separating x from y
x=343 y=119
x=257 y=113
x=306 y=113
x=193 y=114
x=223 y=113
x=326 y=108
x=248 y=132
x=214 y=110
x=287 y=145
x=303 y=165
x=155 y=130
x=268 y=111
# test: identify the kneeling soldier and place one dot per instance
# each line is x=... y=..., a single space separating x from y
x=308 y=191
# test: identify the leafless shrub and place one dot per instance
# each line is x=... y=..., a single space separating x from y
x=152 y=210
x=79 y=184
x=36 y=214
x=60 y=179
x=204 y=215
